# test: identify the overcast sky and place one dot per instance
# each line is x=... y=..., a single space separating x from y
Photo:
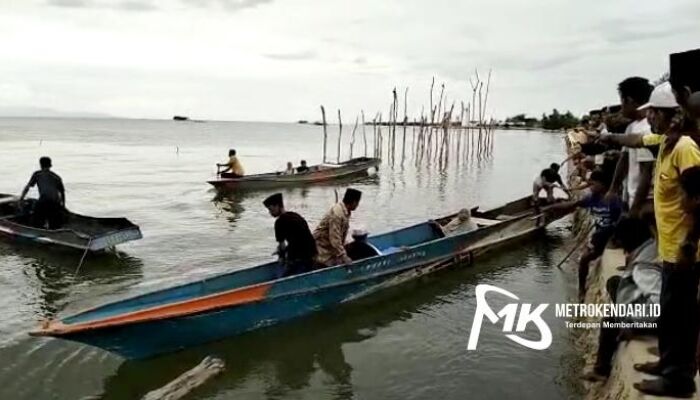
x=278 y=60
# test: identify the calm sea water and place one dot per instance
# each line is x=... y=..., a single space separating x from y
x=406 y=343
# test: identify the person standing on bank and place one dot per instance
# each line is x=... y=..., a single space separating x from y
x=296 y=246
x=678 y=322
x=333 y=229
x=633 y=174
x=49 y=209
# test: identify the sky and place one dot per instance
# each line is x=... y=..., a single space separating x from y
x=279 y=60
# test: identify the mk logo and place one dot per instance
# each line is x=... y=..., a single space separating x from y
x=509 y=313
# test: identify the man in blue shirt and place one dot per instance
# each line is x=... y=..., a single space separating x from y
x=605 y=216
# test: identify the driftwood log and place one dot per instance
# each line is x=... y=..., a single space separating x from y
x=187 y=382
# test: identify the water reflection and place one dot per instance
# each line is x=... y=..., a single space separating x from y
x=56 y=272
x=231 y=204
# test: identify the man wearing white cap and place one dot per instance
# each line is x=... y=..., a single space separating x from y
x=678 y=322
x=636 y=165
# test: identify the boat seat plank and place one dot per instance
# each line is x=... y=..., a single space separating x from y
x=485 y=222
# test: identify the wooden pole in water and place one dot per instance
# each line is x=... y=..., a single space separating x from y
x=364 y=134
x=352 y=137
x=188 y=381
x=325 y=133
x=405 y=121
x=340 y=134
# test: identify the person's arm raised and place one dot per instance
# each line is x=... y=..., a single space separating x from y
x=627 y=140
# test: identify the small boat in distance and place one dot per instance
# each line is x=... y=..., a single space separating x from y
x=78 y=231
x=243 y=300
x=356 y=167
x=180 y=118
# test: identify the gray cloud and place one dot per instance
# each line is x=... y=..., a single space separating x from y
x=126 y=5
x=230 y=5
x=294 y=56
x=360 y=60
x=70 y=3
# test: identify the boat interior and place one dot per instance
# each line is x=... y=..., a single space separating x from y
x=81 y=225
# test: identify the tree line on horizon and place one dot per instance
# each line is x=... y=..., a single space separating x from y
x=552 y=121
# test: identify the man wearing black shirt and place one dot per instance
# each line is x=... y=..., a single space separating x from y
x=548 y=179
x=49 y=209
x=296 y=245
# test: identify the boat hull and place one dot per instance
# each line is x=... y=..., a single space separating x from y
x=284 y=299
x=350 y=169
x=79 y=232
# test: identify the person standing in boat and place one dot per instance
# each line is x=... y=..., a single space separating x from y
x=234 y=169
x=332 y=230
x=49 y=209
x=295 y=243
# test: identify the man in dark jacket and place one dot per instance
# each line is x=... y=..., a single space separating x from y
x=295 y=243
x=49 y=209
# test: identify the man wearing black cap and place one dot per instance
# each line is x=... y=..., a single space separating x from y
x=49 y=209
x=296 y=246
x=332 y=230
x=684 y=75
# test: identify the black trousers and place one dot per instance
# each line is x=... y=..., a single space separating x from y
x=607 y=340
x=678 y=324
x=299 y=266
x=47 y=212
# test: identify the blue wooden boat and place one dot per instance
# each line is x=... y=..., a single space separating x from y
x=243 y=300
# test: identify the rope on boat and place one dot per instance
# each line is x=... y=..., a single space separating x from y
x=82 y=259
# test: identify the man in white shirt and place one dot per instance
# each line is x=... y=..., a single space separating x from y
x=635 y=168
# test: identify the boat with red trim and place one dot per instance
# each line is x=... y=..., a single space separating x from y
x=354 y=168
x=224 y=305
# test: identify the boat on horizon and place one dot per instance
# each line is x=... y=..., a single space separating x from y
x=356 y=167
x=243 y=300
x=78 y=232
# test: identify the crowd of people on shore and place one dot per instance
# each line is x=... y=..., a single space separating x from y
x=642 y=187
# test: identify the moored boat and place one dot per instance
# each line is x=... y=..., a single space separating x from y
x=243 y=300
x=77 y=232
x=356 y=167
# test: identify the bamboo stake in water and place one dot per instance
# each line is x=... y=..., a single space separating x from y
x=340 y=135
x=352 y=137
x=325 y=132
x=364 y=134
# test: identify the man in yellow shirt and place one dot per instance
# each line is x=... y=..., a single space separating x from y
x=233 y=165
x=678 y=323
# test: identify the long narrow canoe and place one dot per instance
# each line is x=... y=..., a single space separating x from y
x=357 y=167
x=78 y=231
x=243 y=300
